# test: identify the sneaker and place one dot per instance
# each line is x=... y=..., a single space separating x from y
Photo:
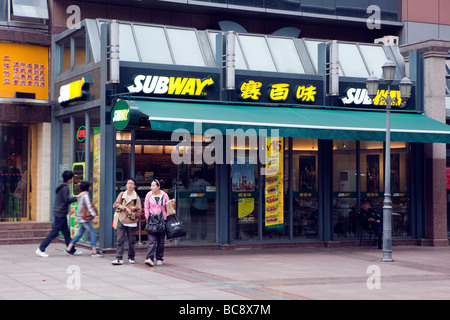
x=117 y=262
x=131 y=261
x=74 y=253
x=149 y=262
x=97 y=255
x=159 y=263
x=41 y=253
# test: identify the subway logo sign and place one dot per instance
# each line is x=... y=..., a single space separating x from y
x=174 y=86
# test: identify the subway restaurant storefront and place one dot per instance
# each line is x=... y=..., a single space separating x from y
x=262 y=154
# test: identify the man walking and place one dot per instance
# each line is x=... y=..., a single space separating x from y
x=60 y=209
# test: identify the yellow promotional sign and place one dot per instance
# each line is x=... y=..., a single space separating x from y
x=274 y=216
x=24 y=69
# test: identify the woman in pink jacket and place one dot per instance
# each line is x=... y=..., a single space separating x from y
x=155 y=202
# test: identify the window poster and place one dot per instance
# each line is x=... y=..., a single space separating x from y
x=243 y=183
x=274 y=216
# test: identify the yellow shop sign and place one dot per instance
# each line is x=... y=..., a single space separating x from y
x=23 y=69
x=178 y=86
x=73 y=90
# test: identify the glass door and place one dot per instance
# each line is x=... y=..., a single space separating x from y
x=305 y=188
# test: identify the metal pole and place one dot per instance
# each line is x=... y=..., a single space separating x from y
x=387 y=203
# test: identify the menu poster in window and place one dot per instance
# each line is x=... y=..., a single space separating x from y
x=243 y=182
x=23 y=71
x=274 y=183
x=96 y=173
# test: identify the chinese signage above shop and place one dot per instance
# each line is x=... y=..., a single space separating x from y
x=23 y=71
x=278 y=90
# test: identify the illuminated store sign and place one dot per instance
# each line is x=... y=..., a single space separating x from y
x=359 y=96
x=74 y=90
x=177 y=86
x=253 y=90
x=124 y=114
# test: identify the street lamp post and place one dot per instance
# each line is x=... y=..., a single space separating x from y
x=405 y=91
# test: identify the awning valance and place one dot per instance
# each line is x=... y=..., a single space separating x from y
x=294 y=122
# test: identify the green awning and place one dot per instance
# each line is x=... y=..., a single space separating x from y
x=293 y=122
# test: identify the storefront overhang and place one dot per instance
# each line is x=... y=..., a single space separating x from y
x=293 y=122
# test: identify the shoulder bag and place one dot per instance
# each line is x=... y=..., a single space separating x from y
x=84 y=212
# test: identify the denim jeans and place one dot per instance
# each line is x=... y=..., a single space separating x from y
x=60 y=224
x=92 y=233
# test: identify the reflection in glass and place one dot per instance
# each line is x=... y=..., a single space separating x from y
x=185 y=47
x=152 y=44
x=128 y=51
x=285 y=55
x=305 y=192
x=351 y=61
x=344 y=188
x=257 y=53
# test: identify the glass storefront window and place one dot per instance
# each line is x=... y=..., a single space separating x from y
x=193 y=184
x=305 y=188
x=13 y=173
x=344 y=188
x=400 y=187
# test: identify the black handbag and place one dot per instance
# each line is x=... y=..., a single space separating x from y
x=155 y=224
x=175 y=227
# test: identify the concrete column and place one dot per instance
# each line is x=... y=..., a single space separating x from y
x=434 y=52
x=42 y=171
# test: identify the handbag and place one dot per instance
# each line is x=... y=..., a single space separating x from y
x=175 y=227
x=85 y=214
x=155 y=224
x=116 y=216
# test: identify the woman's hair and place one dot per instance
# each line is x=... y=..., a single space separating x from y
x=157 y=182
x=84 y=185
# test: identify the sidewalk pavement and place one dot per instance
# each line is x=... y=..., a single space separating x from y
x=306 y=273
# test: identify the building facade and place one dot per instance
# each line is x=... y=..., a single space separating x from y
x=25 y=112
x=177 y=115
x=284 y=48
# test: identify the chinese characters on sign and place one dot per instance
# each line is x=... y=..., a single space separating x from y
x=23 y=74
x=274 y=188
x=279 y=92
x=23 y=69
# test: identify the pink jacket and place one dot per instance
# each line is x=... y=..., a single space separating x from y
x=150 y=205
